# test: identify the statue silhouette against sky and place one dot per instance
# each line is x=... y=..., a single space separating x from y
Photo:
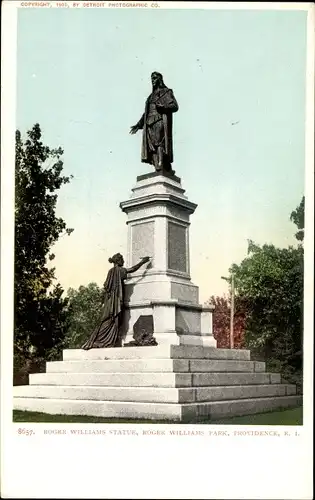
x=156 y=124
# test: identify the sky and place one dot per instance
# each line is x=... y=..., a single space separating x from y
x=84 y=75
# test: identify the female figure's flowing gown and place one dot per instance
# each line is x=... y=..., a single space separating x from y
x=106 y=333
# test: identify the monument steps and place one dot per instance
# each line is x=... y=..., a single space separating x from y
x=154 y=365
x=163 y=382
x=156 y=352
x=157 y=411
x=154 y=394
x=158 y=379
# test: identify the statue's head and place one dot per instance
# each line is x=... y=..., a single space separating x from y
x=157 y=80
x=117 y=259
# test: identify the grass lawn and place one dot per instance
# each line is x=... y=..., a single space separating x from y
x=293 y=416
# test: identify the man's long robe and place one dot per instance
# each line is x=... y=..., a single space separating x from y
x=166 y=104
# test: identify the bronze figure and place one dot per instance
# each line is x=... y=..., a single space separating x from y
x=157 y=126
x=106 y=333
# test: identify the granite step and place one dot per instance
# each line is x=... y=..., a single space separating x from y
x=102 y=393
x=163 y=411
x=153 y=365
x=154 y=379
x=204 y=394
x=154 y=394
x=239 y=407
x=155 y=352
x=223 y=379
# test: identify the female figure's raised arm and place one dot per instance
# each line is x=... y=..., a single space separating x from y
x=137 y=266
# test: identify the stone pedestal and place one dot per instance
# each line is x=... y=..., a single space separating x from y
x=158 y=225
x=177 y=383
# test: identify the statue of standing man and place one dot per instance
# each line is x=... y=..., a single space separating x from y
x=157 y=124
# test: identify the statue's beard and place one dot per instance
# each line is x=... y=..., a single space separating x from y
x=156 y=85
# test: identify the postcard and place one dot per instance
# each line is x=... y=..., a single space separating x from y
x=157 y=205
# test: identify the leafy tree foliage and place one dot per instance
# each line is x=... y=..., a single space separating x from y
x=297 y=216
x=84 y=312
x=40 y=309
x=269 y=282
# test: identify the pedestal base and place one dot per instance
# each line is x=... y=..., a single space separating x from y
x=164 y=382
x=174 y=322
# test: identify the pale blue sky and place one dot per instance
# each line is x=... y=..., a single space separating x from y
x=84 y=76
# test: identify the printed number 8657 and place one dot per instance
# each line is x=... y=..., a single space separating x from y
x=26 y=432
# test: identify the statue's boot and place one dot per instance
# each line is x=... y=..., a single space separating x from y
x=160 y=158
x=155 y=163
x=167 y=167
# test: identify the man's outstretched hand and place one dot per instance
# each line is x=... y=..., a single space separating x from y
x=134 y=129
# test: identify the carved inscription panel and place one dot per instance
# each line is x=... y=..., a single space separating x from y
x=177 y=251
x=142 y=241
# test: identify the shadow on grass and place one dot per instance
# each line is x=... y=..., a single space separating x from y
x=293 y=416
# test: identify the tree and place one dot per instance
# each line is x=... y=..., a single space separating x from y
x=297 y=217
x=84 y=313
x=40 y=309
x=221 y=322
x=269 y=283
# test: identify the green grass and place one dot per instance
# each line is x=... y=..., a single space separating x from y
x=293 y=416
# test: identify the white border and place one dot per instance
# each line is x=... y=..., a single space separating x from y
x=144 y=4
x=308 y=346
x=45 y=466
x=8 y=101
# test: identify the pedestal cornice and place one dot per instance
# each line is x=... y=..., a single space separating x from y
x=158 y=199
